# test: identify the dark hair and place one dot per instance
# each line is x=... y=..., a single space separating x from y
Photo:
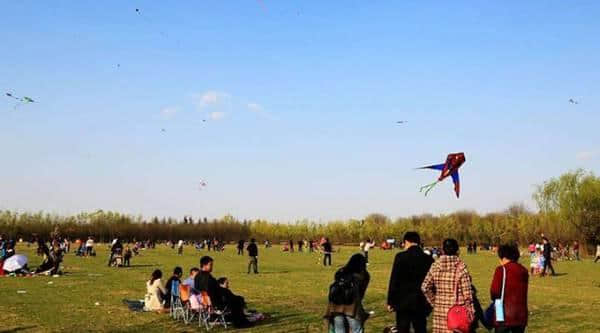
x=450 y=247
x=157 y=274
x=205 y=261
x=221 y=280
x=412 y=237
x=509 y=251
x=252 y=240
x=194 y=269
x=356 y=264
x=178 y=270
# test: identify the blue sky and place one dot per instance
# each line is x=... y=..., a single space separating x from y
x=300 y=100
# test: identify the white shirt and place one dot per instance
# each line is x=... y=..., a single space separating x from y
x=89 y=243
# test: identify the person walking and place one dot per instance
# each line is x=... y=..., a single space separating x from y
x=405 y=296
x=253 y=254
x=300 y=245
x=547 y=252
x=447 y=283
x=345 y=312
x=327 y=249
x=597 y=253
x=180 y=247
x=89 y=246
x=510 y=286
x=291 y=243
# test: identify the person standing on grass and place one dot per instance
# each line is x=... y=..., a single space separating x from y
x=253 y=254
x=441 y=282
x=576 y=250
x=240 y=247
x=405 y=296
x=300 y=244
x=327 y=250
x=180 y=247
x=367 y=245
x=597 y=253
x=515 y=291
x=89 y=246
x=345 y=311
x=291 y=243
x=547 y=252
x=127 y=256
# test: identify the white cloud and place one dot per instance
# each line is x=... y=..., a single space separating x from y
x=586 y=155
x=254 y=107
x=211 y=98
x=168 y=112
x=216 y=115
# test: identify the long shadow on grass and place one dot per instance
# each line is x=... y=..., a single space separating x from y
x=17 y=329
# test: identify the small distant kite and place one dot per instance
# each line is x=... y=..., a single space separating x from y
x=21 y=100
x=202 y=185
x=401 y=121
x=450 y=168
x=163 y=130
x=572 y=101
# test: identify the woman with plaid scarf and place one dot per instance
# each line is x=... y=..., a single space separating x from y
x=440 y=285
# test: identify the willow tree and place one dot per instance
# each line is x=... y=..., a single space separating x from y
x=573 y=198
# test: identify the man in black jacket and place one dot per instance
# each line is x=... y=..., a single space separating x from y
x=547 y=252
x=253 y=254
x=404 y=292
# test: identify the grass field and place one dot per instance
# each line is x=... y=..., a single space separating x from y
x=292 y=288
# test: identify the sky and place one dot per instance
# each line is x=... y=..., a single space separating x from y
x=288 y=109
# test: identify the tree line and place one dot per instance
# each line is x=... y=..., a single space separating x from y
x=569 y=210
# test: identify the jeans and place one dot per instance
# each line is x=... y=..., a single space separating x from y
x=511 y=329
x=548 y=264
x=253 y=263
x=339 y=324
x=327 y=259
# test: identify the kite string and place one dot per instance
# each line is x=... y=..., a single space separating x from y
x=428 y=187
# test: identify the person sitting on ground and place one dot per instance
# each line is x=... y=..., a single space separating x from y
x=345 y=307
x=205 y=282
x=155 y=293
x=176 y=277
x=229 y=297
x=190 y=280
x=127 y=256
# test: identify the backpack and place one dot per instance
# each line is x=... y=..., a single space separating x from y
x=344 y=290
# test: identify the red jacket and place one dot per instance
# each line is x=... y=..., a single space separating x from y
x=515 y=293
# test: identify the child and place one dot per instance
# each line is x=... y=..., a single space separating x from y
x=534 y=260
x=541 y=261
x=127 y=256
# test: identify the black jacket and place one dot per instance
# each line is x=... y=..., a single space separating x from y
x=409 y=271
x=547 y=250
x=252 y=250
x=204 y=281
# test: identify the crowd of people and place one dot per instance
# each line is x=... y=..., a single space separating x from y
x=420 y=286
x=201 y=283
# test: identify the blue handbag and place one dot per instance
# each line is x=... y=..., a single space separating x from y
x=496 y=308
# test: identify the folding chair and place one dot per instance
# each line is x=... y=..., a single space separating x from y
x=176 y=311
x=184 y=296
x=208 y=315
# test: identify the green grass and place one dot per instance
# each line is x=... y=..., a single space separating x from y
x=292 y=288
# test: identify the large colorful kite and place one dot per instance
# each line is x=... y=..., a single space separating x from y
x=450 y=168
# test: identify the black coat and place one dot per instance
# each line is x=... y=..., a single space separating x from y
x=409 y=271
x=252 y=250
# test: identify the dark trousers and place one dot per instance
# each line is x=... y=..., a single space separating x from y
x=253 y=263
x=126 y=261
x=240 y=251
x=180 y=250
x=511 y=329
x=548 y=264
x=327 y=259
x=366 y=256
x=596 y=260
x=110 y=259
x=404 y=320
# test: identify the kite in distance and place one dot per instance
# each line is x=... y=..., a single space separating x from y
x=202 y=185
x=572 y=101
x=401 y=121
x=450 y=168
x=22 y=100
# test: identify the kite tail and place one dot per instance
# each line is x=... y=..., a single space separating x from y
x=428 y=187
